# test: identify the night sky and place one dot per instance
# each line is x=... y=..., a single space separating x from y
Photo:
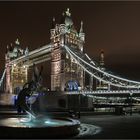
x=111 y=26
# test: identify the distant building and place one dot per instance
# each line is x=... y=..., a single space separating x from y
x=100 y=85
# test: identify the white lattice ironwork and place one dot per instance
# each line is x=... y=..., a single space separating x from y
x=94 y=70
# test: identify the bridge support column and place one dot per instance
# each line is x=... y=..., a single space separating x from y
x=91 y=82
x=131 y=111
x=8 y=77
x=64 y=68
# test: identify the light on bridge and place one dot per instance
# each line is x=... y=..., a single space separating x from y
x=25 y=66
x=14 y=65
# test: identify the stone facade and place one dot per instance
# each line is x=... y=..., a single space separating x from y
x=64 y=69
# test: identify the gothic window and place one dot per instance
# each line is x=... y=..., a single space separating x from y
x=58 y=67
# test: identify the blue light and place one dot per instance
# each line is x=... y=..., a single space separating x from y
x=51 y=122
x=72 y=85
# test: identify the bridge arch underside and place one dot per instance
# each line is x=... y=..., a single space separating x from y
x=66 y=82
x=72 y=85
x=23 y=73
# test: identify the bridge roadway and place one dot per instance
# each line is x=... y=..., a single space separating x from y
x=106 y=93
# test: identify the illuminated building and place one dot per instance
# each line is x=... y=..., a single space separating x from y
x=100 y=85
x=16 y=75
x=64 y=69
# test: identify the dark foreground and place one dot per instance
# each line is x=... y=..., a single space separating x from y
x=112 y=126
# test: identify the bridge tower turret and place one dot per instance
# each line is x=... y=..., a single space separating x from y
x=81 y=33
x=64 y=69
x=16 y=74
x=7 y=67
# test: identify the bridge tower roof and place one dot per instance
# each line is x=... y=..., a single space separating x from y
x=81 y=28
x=66 y=18
x=17 y=42
x=53 y=23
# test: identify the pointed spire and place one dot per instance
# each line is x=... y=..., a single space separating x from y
x=62 y=18
x=7 y=48
x=26 y=51
x=17 y=42
x=53 y=23
x=81 y=28
x=102 y=58
x=68 y=12
x=53 y=19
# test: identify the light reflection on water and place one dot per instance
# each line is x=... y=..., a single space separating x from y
x=57 y=122
x=29 y=123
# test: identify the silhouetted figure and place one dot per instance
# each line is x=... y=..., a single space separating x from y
x=27 y=91
x=24 y=93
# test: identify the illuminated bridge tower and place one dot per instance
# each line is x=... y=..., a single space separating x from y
x=64 y=69
x=100 y=84
x=7 y=67
x=16 y=74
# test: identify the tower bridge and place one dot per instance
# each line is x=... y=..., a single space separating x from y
x=68 y=64
x=33 y=56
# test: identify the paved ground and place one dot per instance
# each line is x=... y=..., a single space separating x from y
x=113 y=126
